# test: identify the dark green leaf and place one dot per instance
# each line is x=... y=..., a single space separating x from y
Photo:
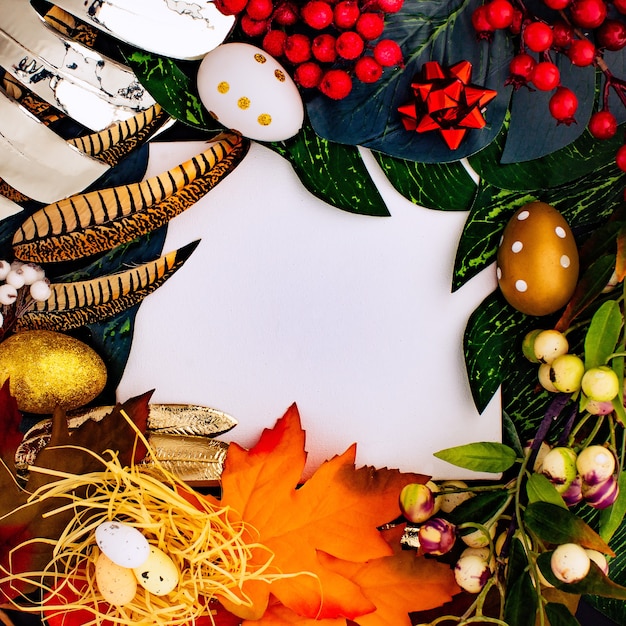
x=559 y=615
x=171 y=88
x=590 y=286
x=540 y=489
x=483 y=228
x=554 y=524
x=440 y=186
x=603 y=334
x=518 y=561
x=595 y=583
x=483 y=456
x=427 y=30
x=520 y=607
x=547 y=135
x=479 y=509
x=332 y=172
x=613 y=516
x=576 y=160
x=510 y=434
x=491 y=342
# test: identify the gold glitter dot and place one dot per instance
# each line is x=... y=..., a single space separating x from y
x=259 y=58
x=243 y=103
x=265 y=119
x=280 y=75
x=223 y=87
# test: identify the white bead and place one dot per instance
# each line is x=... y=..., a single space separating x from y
x=32 y=273
x=40 y=290
x=8 y=294
x=15 y=278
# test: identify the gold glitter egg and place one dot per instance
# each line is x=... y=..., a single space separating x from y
x=249 y=91
x=46 y=369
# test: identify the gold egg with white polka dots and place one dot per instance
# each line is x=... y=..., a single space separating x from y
x=247 y=90
x=537 y=266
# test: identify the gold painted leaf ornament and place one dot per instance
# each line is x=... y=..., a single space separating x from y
x=91 y=223
x=72 y=305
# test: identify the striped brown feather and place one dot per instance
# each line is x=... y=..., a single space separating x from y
x=98 y=238
x=72 y=305
x=114 y=143
x=99 y=207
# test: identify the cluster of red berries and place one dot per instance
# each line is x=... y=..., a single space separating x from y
x=534 y=67
x=326 y=42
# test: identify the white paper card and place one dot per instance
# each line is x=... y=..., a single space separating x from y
x=287 y=299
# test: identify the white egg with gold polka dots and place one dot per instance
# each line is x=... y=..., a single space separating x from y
x=248 y=91
x=537 y=266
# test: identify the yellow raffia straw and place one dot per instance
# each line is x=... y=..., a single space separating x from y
x=211 y=551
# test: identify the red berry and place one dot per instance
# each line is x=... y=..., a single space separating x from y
x=231 y=7
x=557 y=5
x=603 y=125
x=274 y=42
x=259 y=9
x=346 y=14
x=388 y=53
x=349 y=45
x=323 y=48
x=298 y=48
x=612 y=35
x=308 y=75
x=500 y=13
x=253 y=28
x=370 y=26
x=336 y=84
x=317 y=14
x=545 y=76
x=516 y=24
x=620 y=158
x=563 y=105
x=286 y=14
x=588 y=13
x=480 y=21
x=521 y=67
x=538 y=36
x=368 y=70
x=390 y=6
x=581 y=52
x=620 y=5
x=563 y=34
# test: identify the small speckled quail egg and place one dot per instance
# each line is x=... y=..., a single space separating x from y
x=158 y=574
x=537 y=265
x=117 y=584
x=248 y=91
x=123 y=544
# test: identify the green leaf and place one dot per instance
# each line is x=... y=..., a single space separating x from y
x=576 y=160
x=603 y=334
x=510 y=434
x=439 y=186
x=589 y=287
x=559 y=615
x=483 y=456
x=518 y=561
x=479 y=509
x=554 y=524
x=595 y=583
x=332 y=172
x=612 y=517
x=171 y=87
x=492 y=344
x=540 y=489
x=520 y=607
x=483 y=228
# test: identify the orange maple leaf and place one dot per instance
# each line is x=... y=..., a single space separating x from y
x=337 y=512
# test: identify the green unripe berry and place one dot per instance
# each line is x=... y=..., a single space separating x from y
x=559 y=466
x=600 y=384
x=418 y=502
x=567 y=373
x=528 y=345
x=550 y=344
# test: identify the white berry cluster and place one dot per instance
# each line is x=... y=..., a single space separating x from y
x=21 y=284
